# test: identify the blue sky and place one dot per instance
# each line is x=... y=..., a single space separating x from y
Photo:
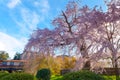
x=18 y=18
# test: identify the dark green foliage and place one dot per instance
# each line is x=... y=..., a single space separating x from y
x=3 y=74
x=18 y=76
x=3 y=55
x=82 y=75
x=43 y=74
x=17 y=56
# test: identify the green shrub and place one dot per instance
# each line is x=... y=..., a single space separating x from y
x=43 y=74
x=18 y=76
x=82 y=75
x=3 y=73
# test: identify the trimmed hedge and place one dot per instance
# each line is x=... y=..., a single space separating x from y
x=82 y=75
x=43 y=74
x=18 y=76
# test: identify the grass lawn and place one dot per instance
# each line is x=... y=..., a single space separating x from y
x=110 y=77
x=58 y=77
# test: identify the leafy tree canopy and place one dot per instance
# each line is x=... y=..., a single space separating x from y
x=17 y=56
x=4 y=55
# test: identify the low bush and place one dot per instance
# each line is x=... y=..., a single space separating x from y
x=43 y=74
x=82 y=75
x=4 y=72
x=18 y=76
x=3 y=75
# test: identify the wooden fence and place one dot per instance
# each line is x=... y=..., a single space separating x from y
x=106 y=71
x=110 y=71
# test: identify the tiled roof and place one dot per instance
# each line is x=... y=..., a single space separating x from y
x=13 y=61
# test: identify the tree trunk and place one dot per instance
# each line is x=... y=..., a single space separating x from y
x=115 y=66
x=116 y=71
x=87 y=65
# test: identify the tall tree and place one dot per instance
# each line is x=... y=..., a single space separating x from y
x=109 y=38
x=3 y=55
x=91 y=34
x=40 y=61
x=17 y=56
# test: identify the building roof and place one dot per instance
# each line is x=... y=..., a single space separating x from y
x=12 y=60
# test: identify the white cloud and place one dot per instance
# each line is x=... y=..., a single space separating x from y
x=43 y=5
x=11 y=44
x=30 y=20
x=13 y=3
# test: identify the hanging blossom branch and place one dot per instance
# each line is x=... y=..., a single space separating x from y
x=84 y=30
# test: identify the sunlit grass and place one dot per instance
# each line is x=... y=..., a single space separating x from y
x=110 y=77
x=56 y=77
x=59 y=77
